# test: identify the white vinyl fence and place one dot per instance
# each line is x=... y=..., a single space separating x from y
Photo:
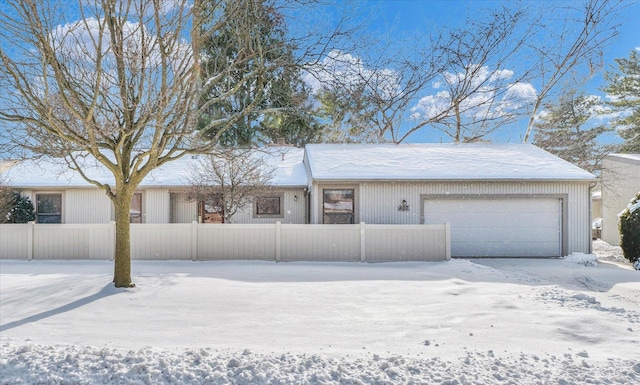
x=206 y=242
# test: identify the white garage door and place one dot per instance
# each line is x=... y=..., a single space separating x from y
x=530 y=227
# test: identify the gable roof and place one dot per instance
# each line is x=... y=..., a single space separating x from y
x=434 y=161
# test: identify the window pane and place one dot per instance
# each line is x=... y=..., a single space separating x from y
x=338 y=206
x=268 y=206
x=212 y=210
x=49 y=208
x=135 y=211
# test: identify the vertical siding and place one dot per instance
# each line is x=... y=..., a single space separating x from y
x=378 y=202
x=183 y=210
x=620 y=183
x=156 y=203
x=294 y=210
x=87 y=205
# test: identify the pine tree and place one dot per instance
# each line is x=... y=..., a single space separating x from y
x=629 y=227
x=624 y=89
x=278 y=92
x=22 y=210
x=565 y=131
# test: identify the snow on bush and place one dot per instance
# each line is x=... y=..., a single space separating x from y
x=582 y=259
x=629 y=227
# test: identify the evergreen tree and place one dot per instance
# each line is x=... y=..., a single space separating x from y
x=21 y=209
x=565 y=131
x=271 y=82
x=624 y=89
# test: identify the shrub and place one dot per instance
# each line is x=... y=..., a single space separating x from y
x=22 y=210
x=629 y=227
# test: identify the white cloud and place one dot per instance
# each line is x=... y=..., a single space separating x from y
x=492 y=98
x=349 y=71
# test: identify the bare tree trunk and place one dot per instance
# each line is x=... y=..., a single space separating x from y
x=122 y=262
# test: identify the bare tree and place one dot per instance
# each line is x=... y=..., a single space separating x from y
x=119 y=85
x=467 y=82
x=6 y=198
x=466 y=69
x=364 y=99
x=477 y=92
x=560 y=48
x=230 y=179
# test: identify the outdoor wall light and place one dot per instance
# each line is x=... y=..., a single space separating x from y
x=295 y=198
x=403 y=206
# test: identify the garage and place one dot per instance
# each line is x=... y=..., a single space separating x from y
x=499 y=226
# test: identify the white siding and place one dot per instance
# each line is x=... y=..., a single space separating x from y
x=183 y=209
x=293 y=206
x=88 y=205
x=620 y=183
x=156 y=205
x=377 y=202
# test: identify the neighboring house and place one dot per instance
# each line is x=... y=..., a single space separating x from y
x=620 y=183
x=62 y=196
x=502 y=200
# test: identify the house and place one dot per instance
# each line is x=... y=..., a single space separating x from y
x=620 y=183
x=501 y=200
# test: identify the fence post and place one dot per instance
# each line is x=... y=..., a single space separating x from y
x=194 y=241
x=447 y=240
x=278 y=238
x=363 y=244
x=30 y=240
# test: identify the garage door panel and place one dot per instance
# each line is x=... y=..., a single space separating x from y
x=499 y=227
x=507 y=249
x=497 y=233
x=488 y=218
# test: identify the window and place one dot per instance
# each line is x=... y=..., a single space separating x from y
x=268 y=206
x=49 y=208
x=337 y=206
x=212 y=210
x=135 y=211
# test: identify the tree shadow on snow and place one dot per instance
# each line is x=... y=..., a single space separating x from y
x=106 y=291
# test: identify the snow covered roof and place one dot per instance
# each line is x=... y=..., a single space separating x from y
x=434 y=161
x=631 y=158
x=47 y=172
x=339 y=162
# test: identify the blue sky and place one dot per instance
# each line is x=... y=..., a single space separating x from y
x=407 y=16
x=392 y=18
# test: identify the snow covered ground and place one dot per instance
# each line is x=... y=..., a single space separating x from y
x=485 y=321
